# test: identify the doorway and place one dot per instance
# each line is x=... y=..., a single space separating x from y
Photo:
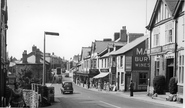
x=169 y=72
x=127 y=82
x=118 y=80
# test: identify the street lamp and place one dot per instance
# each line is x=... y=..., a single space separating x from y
x=44 y=75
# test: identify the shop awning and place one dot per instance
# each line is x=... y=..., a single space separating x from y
x=101 y=75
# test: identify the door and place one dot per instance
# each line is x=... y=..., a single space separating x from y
x=128 y=77
x=118 y=81
x=169 y=72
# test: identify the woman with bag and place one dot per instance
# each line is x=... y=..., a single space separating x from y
x=17 y=99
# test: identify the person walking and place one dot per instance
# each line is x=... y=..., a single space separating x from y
x=17 y=99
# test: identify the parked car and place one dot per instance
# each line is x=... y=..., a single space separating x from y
x=67 y=87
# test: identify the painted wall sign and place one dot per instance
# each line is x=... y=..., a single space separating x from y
x=140 y=58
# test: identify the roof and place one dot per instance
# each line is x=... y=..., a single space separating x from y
x=101 y=45
x=110 y=45
x=85 y=52
x=178 y=6
x=171 y=4
x=129 y=46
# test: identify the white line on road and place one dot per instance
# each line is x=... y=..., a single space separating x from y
x=110 y=104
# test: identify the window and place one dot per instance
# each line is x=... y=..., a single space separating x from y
x=121 y=61
x=156 y=40
x=93 y=63
x=122 y=76
x=143 y=78
x=169 y=32
x=156 y=68
x=169 y=36
x=181 y=68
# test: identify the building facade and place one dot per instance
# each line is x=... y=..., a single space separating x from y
x=4 y=60
x=132 y=63
x=166 y=49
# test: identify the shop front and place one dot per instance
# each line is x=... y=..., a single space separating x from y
x=169 y=62
x=137 y=68
x=162 y=63
x=85 y=78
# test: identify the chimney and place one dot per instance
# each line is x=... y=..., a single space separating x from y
x=107 y=39
x=34 y=48
x=123 y=34
x=37 y=56
x=24 y=57
x=53 y=53
x=116 y=36
x=133 y=36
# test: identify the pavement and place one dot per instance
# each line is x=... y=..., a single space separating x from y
x=142 y=96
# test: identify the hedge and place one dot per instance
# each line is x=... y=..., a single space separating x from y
x=159 y=84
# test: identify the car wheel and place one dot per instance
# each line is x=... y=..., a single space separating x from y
x=72 y=92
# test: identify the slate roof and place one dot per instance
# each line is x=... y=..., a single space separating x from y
x=101 y=45
x=85 y=52
x=129 y=46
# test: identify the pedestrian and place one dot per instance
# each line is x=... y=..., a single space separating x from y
x=17 y=99
x=131 y=88
x=8 y=95
x=88 y=85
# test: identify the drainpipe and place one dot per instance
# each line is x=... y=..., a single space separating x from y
x=175 y=59
x=149 y=78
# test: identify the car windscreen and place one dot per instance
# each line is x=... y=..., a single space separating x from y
x=67 y=84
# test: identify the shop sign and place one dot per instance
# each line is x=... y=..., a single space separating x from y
x=168 y=47
x=104 y=70
x=93 y=71
x=156 y=50
x=169 y=55
x=128 y=63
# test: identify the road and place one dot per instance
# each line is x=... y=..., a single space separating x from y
x=84 y=98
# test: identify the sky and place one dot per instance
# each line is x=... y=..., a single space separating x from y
x=79 y=23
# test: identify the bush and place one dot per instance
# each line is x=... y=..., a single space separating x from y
x=159 y=84
x=173 y=85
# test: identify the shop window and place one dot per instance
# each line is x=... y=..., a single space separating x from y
x=143 y=78
x=157 y=68
x=181 y=69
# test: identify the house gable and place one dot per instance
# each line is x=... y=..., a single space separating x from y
x=31 y=59
x=162 y=12
x=178 y=11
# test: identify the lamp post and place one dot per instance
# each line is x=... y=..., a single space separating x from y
x=44 y=75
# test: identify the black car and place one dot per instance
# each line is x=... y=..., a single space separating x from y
x=67 y=87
